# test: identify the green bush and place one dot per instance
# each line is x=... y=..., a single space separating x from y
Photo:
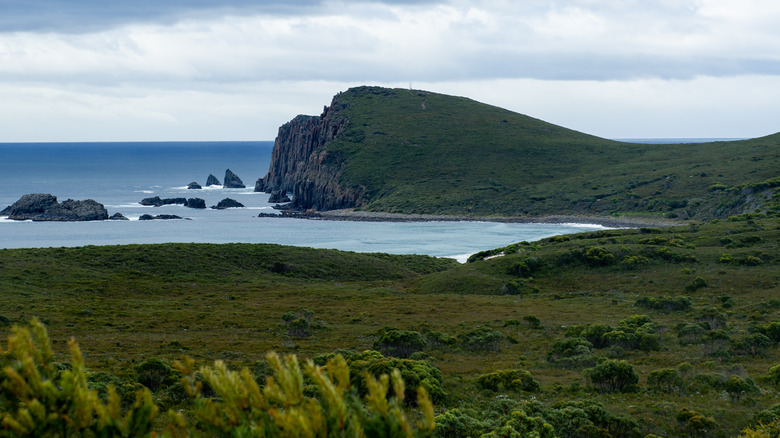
x=665 y=303
x=612 y=376
x=520 y=424
x=38 y=398
x=737 y=387
x=455 y=423
x=774 y=376
x=414 y=373
x=532 y=321
x=695 y=285
x=399 y=343
x=597 y=256
x=770 y=330
x=283 y=408
x=482 y=338
x=439 y=339
x=666 y=380
x=694 y=424
x=572 y=353
x=754 y=345
x=155 y=374
x=509 y=380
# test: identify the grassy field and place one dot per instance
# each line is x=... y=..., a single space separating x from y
x=419 y=152
x=706 y=291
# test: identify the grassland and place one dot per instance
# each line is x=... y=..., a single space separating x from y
x=127 y=304
x=420 y=152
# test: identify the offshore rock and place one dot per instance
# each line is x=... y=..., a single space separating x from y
x=232 y=181
x=44 y=207
x=212 y=181
x=157 y=202
x=278 y=197
x=118 y=217
x=227 y=203
x=300 y=165
x=195 y=203
x=194 y=186
x=259 y=185
x=149 y=217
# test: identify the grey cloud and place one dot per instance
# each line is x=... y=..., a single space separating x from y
x=78 y=16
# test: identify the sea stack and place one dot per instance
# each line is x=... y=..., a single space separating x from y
x=194 y=186
x=232 y=181
x=212 y=181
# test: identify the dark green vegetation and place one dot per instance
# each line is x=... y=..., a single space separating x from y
x=622 y=333
x=418 y=152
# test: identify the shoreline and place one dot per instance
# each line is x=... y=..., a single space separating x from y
x=371 y=216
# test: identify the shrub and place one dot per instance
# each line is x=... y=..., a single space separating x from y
x=521 y=424
x=594 y=333
x=695 y=285
x=532 y=321
x=706 y=382
x=282 y=408
x=768 y=430
x=665 y=303
x=38 y=398
x=455 y=423
x=399 y=343
x=694 y=424
x=572 y=353
x=439 y=339
x=774 y=376
x=666 y=380
x=754 y=345
x=612 y=376
x=691 y=333
x=414 y=373
x=771 y=330
x=597 y=256
x=155 y=374
x=482 y=338
x=737 y=387
x=510 y=380
x=633 y=262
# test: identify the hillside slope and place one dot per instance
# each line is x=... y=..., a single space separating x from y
x=406 y=151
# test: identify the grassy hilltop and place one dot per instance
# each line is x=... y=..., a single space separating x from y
x=420 y=152
x=694 y=311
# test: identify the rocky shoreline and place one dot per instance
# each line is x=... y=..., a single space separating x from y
x=373 y=216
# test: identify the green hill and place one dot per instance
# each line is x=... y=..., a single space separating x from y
x=407 y=151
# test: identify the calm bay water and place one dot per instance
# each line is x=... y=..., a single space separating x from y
x=119 y=175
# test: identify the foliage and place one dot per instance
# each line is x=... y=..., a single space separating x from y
x=282 y=408
x=400 y=343
x=39 y=399
x=666 y=380
x=482 y=338
x=665 y=303
x=612 y=376
x=510 y=380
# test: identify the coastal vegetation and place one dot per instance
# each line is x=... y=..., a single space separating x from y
x=623 y=333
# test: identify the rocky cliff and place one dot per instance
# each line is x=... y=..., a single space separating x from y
x=301 y=166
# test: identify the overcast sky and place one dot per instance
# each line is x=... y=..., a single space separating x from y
x=144 y=70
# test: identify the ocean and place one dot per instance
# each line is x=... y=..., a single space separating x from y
x=120 y=175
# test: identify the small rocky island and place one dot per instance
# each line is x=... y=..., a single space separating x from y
x=227 y=203
x=45 y=207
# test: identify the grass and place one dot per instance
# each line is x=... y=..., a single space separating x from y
x=125 y=304
x=419 y=152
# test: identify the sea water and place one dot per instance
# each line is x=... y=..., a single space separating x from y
x=120 y=175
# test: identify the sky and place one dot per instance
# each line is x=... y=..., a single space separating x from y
x=211 y=70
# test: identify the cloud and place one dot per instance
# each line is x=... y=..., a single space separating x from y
x=153 y=62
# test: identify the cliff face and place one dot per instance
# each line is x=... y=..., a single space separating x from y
x=309 y=174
